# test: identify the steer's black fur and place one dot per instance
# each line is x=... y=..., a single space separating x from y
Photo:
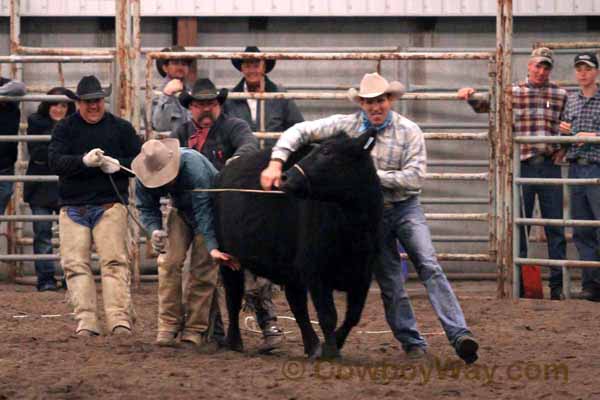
x=321 y=235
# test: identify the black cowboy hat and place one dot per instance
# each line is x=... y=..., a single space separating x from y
x=160 y=62
x=237 y=62
x=89 y=88
x=203 y=89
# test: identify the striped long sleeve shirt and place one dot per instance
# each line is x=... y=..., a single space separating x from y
x=584 y=115
x=399 y=153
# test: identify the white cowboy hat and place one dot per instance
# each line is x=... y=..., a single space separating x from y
x=158 y=162
x=373 y=85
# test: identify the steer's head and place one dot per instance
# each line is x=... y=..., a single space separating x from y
x=336 y=170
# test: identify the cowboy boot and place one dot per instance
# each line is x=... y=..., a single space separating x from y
x=272 y=338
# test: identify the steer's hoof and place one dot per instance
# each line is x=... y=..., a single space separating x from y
x=330 y=353
x=235 y=345
x=315 y=353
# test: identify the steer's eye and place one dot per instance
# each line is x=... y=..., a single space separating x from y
x=326 y=151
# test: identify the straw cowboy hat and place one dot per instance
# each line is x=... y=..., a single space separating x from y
x=158 y=162
x=203 y=89
x=237 y=62
x=373 y=85
x=160 y=62
x=89 y=88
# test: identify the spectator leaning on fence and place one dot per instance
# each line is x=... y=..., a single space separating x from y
x=43 y=196
x=537 y=108
x=165 y=170
x=582 y=119
x=400 y=158
x=167 y=113
x=271 y=116
x=86 y=152
x=10 y=116
x=266 y=115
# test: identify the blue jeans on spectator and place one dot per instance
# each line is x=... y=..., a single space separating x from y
x=405 y=221
x=550 y=198
x=6 y=189
x=42 y=244
x=585 y=204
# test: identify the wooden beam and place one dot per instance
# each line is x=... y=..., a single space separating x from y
x=187 y=35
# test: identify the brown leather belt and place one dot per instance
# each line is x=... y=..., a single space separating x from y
x=583 y=161
x=536 y=160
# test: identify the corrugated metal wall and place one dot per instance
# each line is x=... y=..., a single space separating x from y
x=316 y=8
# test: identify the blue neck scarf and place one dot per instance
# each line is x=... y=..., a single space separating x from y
x=366 y=124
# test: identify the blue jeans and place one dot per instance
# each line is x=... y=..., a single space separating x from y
x=551 y=207
x=6 y=190
x=585 y=204
x=42 y=244
x=405 y=221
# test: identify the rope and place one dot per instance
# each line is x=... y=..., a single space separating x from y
x=24 y=315
x=241 y=191
x=119 y=165
x=206 y=190
x=122 y=200
x=254 y=330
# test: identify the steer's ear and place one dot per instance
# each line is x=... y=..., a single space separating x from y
x=366 y=141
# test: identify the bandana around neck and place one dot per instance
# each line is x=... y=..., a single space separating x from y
x=366 y=124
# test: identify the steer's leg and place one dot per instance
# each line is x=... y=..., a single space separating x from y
x=323 y=300
x=298 y=301
x=355 y=302
x=234 y=292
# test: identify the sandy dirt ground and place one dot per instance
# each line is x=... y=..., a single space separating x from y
x=530 y=349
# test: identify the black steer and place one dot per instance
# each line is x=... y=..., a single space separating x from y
x=321 y=235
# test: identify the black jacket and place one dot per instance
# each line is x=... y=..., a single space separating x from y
x=279 y=114
x=228 y=137
x=71 y=139
x=39 y=194
x=10 y=116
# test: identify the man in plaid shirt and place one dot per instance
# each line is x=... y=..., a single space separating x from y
x=582 y=119
x=400 y=158
x=537 y=108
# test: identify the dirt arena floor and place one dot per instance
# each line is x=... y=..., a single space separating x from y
x=530 y=349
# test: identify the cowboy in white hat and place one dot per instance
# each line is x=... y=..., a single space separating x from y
x=400 y=158
x=163 y=169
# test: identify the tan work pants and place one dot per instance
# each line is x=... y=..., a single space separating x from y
x=110 y=236
x=192 y=313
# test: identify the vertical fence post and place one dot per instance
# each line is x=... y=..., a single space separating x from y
x=506 y=249
x=16 y=72
x=493 y=206
x=123 y=75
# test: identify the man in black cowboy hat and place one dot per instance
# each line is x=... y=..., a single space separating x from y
x=210 y=131
x=220 y=138
x=84 y=150
x=262 y=115
x=271 y=116
x=167 y=112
